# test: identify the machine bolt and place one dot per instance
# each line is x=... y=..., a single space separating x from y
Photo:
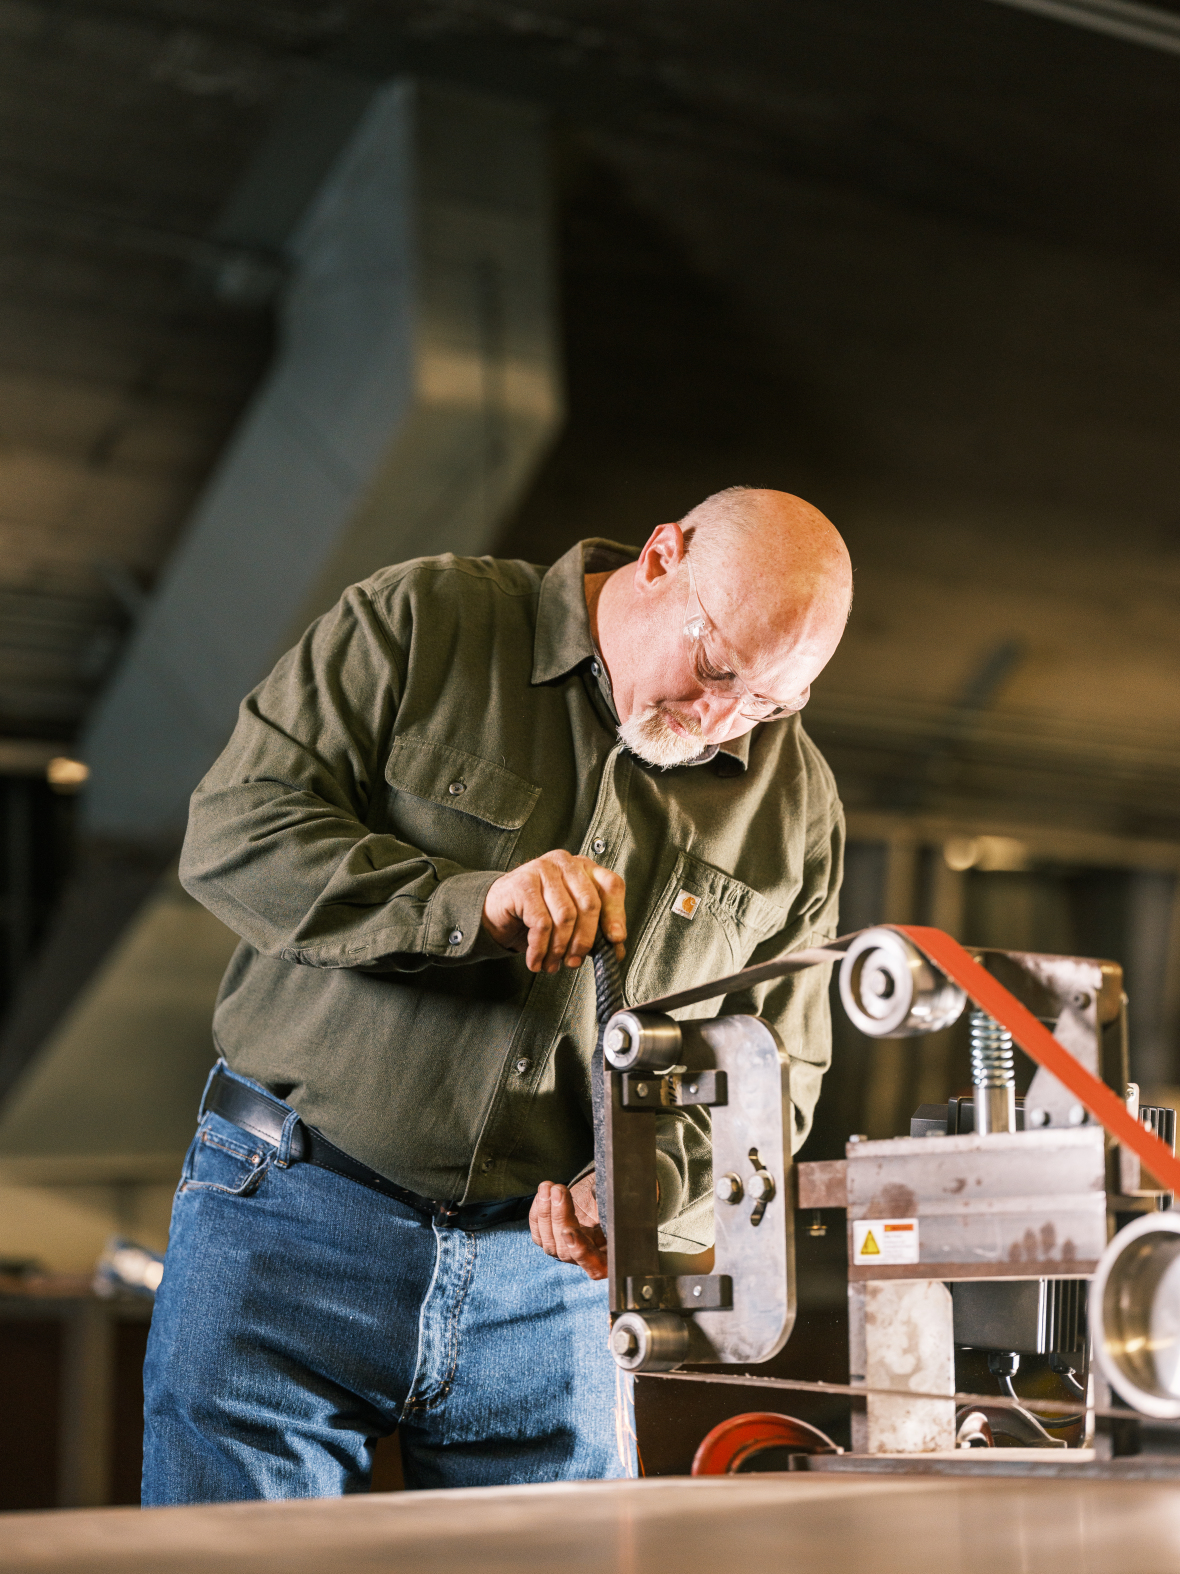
x=858 y=1136
x=761 y=1186
x=729 y=1188
x=623 y=1342
x=616 y=1041
x=1081 y=1000
x=1038 y=1117
x=642 y=1089
x=647 y=1292
x=1077 y=1115
x=696 y=1290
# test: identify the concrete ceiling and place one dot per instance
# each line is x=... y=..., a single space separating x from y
x=914 y=258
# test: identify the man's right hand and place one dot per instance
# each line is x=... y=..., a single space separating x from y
x=552 y=908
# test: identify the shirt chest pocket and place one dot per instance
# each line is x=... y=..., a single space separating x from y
x=704 y=925
x=456 y=805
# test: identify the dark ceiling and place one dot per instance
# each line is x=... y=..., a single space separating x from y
x=915 y=258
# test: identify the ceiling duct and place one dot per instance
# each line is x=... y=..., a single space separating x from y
x=415 y=388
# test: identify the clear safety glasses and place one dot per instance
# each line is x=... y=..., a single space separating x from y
x=719 y=677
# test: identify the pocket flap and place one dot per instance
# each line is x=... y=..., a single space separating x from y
x=461 y=781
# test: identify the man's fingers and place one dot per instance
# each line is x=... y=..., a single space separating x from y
x=552 y=908
x=613 y=917
x=589 y=903
x=541 y=1219
x=555 y=1229
x=534 y=911
x=563 y=914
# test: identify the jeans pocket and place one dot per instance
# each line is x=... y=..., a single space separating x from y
x=226 y=1159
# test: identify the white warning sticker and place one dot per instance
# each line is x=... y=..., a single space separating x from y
x=876 y=1242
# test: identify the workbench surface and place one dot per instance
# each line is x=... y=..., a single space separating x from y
x=752 y=1524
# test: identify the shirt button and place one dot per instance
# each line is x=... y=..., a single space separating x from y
x=523 y=1064
x=456 y=788
x=595 y=668
x=486 y=1165
x=455 y=937
x=598 y=847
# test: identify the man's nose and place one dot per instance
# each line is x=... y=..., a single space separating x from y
x=715 y=712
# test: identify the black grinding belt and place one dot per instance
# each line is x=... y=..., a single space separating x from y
x=264 y=1116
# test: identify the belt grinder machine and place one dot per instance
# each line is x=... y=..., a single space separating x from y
x=982 y=1228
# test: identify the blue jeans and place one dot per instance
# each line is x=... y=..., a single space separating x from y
x=301 y=1317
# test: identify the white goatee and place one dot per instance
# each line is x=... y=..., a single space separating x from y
x=651 y=736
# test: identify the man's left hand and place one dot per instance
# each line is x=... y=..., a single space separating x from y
x=564 y=1223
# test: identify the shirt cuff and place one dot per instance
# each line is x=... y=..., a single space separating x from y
x=454 y=919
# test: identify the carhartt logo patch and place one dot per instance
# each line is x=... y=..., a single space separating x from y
x=686 y=904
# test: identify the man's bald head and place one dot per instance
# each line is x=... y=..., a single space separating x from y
x=772 y=584
x=775 y=560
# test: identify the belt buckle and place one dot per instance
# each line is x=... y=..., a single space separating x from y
x=446 y=1212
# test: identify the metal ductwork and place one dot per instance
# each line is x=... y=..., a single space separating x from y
x=415 y=388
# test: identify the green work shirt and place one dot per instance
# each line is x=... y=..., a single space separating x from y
x=450 y=719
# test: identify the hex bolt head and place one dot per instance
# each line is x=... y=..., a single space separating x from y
x=647 y=1292
x=1037 y=1117
x=728 y=1188
x=761 y=1186
x=1077 y=1115
x=642 y=1089
x=616 y=1041
x=624 y=1342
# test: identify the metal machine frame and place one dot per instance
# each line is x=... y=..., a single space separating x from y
x=999 y=1206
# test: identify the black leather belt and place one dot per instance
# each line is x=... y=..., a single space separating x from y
x=264 y=1116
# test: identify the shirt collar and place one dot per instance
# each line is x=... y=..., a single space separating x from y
x=563 y=640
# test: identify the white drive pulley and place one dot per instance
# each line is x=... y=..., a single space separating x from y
x=890 y=990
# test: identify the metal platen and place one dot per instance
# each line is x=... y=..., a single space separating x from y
x=744 y=1310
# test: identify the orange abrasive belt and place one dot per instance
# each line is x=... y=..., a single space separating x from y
x=1036 y=1040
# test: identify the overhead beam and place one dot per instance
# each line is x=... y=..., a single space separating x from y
x=1135 y=24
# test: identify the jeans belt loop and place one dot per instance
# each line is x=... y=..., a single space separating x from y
x=219 y=1066
x=283 y=1154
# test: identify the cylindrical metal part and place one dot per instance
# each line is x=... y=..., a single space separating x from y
x=1134 y=1309
x=655 y=1343
x=641 y=1041
x=890 y=990
x=993 y=1071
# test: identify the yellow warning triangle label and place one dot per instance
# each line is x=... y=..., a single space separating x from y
x=869 y=1247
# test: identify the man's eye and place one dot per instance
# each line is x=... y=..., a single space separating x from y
x=708 y=673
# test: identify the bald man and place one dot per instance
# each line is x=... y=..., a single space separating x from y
x=386 y=1220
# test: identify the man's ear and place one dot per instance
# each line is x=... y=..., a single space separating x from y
x=661 y=557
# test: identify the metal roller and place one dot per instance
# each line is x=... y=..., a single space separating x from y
x=1135 y=1314
x=890 y=990
x=641 y=1041
x=657 y=1342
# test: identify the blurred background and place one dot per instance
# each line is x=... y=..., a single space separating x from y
x=292 y=290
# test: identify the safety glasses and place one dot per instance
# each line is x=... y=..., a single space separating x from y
x=718 y=677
